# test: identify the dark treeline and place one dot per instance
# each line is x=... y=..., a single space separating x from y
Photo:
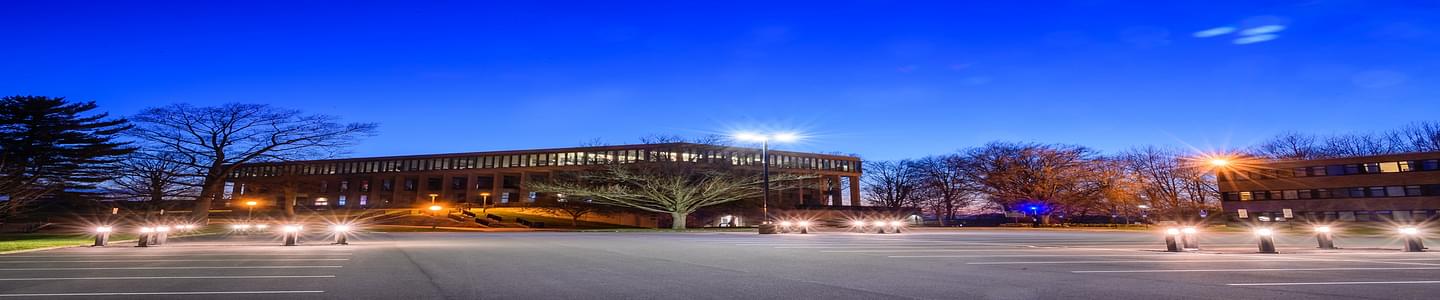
x=53 y=149
x=1066 y=182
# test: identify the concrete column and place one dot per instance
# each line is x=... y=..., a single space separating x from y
x=496 y=187
x=472 y=192
x=855 y=191
x=520 y=186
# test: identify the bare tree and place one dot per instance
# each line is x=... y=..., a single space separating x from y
x=674 y=188
x=1354 y=144
x=1169 y=181
x=152 y=178
x=1289 y=145
x=213 y=141
x=891 y=183
x=1053 y=178
x=943 y=185
x=1417 y=137
x=709 y=139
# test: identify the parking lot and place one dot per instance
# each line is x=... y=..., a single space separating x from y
x=993 y=264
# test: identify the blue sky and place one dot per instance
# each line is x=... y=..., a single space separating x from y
x=883 y=79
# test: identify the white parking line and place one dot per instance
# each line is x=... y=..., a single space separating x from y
x=1120 y=261
x=170 y=268
x=1257 y=270
x=167 y=277
x=160 y=293
x=1334 y=283
x=1019 y=255
x=964 y=250
x=165 y=260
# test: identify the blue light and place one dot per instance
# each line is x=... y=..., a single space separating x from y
x=1033 y=208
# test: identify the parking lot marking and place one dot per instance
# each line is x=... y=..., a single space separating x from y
x=165 y=260
x=167 y=277
x=170 y=268
x=1334 y=283
x=1120 y=261
x=1020 y=255
x=160 y=293
x=1257 y=270
x=956 y=250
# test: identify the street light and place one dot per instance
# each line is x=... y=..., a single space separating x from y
x=432 y=198
x=484 y=201
x=342 y=233
x=1144 y=216
x=764 y=140
x=250 y=205
x=1324 y=237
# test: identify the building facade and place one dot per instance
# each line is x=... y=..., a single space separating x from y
x=498 y=178
x=1398 y=188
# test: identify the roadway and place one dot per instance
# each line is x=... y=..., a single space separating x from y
x=966 y=264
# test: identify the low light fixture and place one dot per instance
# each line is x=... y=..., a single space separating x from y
x=1264 y=232
x=262 y=226
x=879 y=223
x=1172 y=231
x=804 y=223
x=1409 y=230
x=896 y=223
x=1322 y=229
x=857 y=223
x=1188 y=230
x=147 y=229
x=786 y=223
x=162 y=229
x=291 y=228
x=103 y=229
x=341 y=228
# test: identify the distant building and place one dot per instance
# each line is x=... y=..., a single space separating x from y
x=498 y=178
x=1398 y=188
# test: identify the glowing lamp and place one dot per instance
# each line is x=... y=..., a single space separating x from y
x=1409 y=230
x=291 y=228
x=895 y=223
x=436 y=208
x=804 y=223
x=858 y=223
x=1264 y=232
x=342 y=228
x=1188 y=230
x=1172 y=231
x=1322 y=229
x=102 y=229
x=147 y=229
x=786 y=223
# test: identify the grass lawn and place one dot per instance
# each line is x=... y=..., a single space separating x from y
x=25 y=241
x=550 y=222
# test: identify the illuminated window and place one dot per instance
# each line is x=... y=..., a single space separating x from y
x=322 y=201
x=1246 y=196
x=364 y=200
x=1388 y=167
x=1372 y=168
x=340 y=201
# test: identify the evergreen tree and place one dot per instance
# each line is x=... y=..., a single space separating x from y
x=50 y=145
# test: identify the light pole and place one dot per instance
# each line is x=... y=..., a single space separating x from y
x=250 y=213
x=1143 y=216
x=484 y=201
x=764 y=140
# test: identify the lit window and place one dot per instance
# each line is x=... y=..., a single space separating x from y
x=364 y=200
x=340 y=201
x=1246 y=196
x=1389 y=167
x=322 y=201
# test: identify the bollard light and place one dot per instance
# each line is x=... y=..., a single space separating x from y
x=1170 y=244
x=1324 y=237
x=290 y=234
x=804 y=227
x=144 y=238
x=342 y=233
x=261 y=227
x=1267 y=240
x=857 y=223
x=1189 y=238
x=896 y=225
x=102 y=236
x=162 y=234
x=879 y=226
x=1413 y=240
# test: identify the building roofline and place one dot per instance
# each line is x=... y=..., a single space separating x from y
x=543 y=150
x=1342 y=159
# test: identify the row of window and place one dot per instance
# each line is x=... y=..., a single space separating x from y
x=699 y=155
x=1350 y=192
x=1394 y=216
x=1345 y=169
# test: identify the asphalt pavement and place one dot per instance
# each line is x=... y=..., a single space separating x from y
x=924 y=264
